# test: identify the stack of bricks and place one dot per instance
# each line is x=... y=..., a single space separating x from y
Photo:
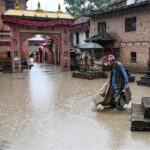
x=140 y=117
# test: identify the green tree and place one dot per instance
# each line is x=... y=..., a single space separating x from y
x=80 y=7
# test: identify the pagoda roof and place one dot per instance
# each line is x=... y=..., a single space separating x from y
x=37 y=14
x=90 y=46
x=81 y=20
x=102 y=36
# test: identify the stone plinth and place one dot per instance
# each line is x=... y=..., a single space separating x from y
x=140 y=115
x=90 y=76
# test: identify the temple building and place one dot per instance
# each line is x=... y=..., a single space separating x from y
x=35 y=43
x=4 y=29
x=23 y=24
x=123 y=28
x=51 y=56
x=46 y=53
x=5 y=34
x=79 y=32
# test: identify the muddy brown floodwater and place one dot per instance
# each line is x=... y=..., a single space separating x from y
x=46 y=109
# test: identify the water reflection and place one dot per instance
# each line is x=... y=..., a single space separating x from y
x=45 y=109
x=41 y=89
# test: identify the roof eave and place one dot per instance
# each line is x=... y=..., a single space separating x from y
x=96 y=12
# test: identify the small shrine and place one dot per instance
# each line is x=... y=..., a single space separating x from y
x=145 y=80
x=90 y=62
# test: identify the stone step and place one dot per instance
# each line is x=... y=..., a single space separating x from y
x=144 y=83
x=146 y=106
x=138 y=122
x=147 y=72
x=145 y=78
x=131 y=79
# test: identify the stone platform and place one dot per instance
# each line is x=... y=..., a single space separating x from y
x=89 y=76
x=140 y=115
x=145 y=81
x=99 y=75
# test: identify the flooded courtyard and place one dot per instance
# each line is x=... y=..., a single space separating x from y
x=46 y=109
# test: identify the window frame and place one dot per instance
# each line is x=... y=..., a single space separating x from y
x=87 y=34
x=129 y=27
x=102 y=27
x=77 y=38
x=133 y=59
x=9 y=4
x=8 y=54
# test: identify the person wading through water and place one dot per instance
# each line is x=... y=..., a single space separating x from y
x=110 y=94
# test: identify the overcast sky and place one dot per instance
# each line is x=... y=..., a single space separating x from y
x=50 y=5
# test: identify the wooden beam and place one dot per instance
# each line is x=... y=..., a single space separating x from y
x=39 y=31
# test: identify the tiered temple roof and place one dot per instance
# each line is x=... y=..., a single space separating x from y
x=37 y=14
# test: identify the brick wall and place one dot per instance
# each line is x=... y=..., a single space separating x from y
x=6 y=46
x=23 y=4
x=25 y=49
x=2 y=9
x=135 y=41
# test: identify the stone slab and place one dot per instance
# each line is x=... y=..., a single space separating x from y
x=138 y=122
x=143 y=82
x=89 y=76
x=146 y=106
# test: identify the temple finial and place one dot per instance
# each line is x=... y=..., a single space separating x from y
x=17 y=4
x=59 y=7
x=39 y=7
x=59 y=11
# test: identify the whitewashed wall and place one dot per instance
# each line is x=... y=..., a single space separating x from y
x=74 y=39
x=82 y=37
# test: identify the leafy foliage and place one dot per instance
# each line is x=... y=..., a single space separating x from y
x=80 y=7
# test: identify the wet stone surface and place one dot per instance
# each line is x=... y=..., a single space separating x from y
x=4 y=145
x=46 y=109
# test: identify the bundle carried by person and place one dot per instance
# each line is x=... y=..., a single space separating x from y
x=116 y=91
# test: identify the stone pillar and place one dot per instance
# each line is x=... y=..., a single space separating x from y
x=15 y=50
x=65 y=50
x=12 y=49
